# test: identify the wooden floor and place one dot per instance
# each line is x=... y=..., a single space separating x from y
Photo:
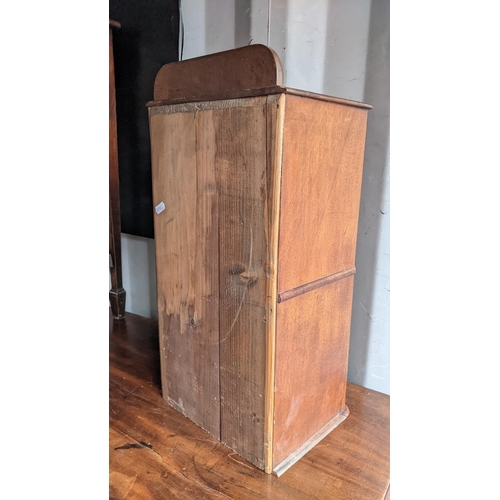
x=157 y=453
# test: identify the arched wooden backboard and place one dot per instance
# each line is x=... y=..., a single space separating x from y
x=246 y=68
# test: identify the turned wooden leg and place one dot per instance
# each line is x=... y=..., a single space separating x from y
x=117 y=293
x=117 y=300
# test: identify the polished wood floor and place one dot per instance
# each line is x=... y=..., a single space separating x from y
x=157 y=453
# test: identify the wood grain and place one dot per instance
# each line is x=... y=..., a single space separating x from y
x=251 y=67
x=242 y=93
x=323 y=153
x=240 y=136
x=210 y=168
x=275 y=118
x=180 y=460
x=187 y=267
x=309 y=444
x=132 y=457
x=261 y=202
x=310 y=387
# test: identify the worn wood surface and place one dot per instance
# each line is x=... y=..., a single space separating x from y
x=210 y=170
x=187 y=268
x=312 y=348
x=275 y=118
x=323 y=153
x=251 y=67
x=117 y=293
x=241 y=153
x=155 y=452
x=242 y=93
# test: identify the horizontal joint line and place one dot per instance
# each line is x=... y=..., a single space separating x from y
x=313 y=285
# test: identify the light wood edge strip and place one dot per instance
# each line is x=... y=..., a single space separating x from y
x=311 y=442
x=314 y=285
x=327 y=98
x=388 y=492
x=259 y=92
x=273 y=211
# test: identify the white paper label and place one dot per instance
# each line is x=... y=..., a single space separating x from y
x=160 y=207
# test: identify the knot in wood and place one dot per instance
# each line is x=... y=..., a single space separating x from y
x=247 y=277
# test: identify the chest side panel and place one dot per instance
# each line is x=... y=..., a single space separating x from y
x=312 y=348
x=323 y=151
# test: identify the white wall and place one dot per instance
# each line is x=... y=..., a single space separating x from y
x=336 y=47
x=139 y=275
x=369 y=359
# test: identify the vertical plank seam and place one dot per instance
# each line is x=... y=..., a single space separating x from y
x=219 y=301
x=268 y=212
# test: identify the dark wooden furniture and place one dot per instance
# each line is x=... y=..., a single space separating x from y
x=117 y=293
x=148 y=39
x=256 y=189
x=155 y=452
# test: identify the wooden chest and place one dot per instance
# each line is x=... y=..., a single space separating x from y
x=256 y=190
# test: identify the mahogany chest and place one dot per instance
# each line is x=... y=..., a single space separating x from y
x=256 y=191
